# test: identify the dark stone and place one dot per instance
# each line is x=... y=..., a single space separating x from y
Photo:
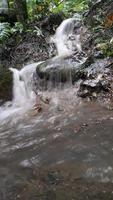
x=59 y=70
x=54 y=178
x=83 y=93
x=8 y=17
x=99 y=66
x=91 y=83
x=88 y=87
x=5 y=84
x=52 y=21
x=98 y=54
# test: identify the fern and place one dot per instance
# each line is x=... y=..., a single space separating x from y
x=5 y=32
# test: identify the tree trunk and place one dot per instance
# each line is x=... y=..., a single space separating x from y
x=21 y=11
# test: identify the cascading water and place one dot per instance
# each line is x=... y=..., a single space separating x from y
x=24 y=97
x=36 y=151
x=23 y=93
x=20 y=95
x=4 y=4
x=62 y=37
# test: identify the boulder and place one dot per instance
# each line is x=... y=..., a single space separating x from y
x=61 y=70
x=99 y=66
x=92 y=87
x=6 y=84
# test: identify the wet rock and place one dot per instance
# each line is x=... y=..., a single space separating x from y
x=92 y=87
x=54 y=178
x=99 y=66
x=98 y=54
x=60 y=70
x=83 y=93
x=5 y=84
x=52 y=21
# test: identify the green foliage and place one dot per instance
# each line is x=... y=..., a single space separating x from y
x=106 y=48
x=75 y=6
x=108 y=51
x=68 y=6
x=11 y=4
x=37 y=31
x=37 y=8
x=6 y=31
x=31 y=7
x=40 y=8
x=56 y=6
x=43 y=7
x=17 y=28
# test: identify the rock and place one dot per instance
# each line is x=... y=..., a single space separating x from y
x=83 y=93
x=61 y=70
x=5 y=84
x=52 y=21
x=92 y=87
x=91 y=71
x=8 y=17
x=100 y=66
x=98 y=55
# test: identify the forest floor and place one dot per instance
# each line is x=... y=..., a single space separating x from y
x=30 y=48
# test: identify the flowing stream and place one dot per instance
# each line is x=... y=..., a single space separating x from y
x=24 y=97
x=67 y=130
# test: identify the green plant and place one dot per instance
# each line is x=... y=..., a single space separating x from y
x=71 y=6
x=37 y=31
x=31 y=7
x=17 y=28
x=56 y=6
x=5 y=32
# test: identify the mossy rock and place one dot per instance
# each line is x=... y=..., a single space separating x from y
x=5 y=84
x=59 y=70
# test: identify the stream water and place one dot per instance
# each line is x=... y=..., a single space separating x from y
x=67 y=131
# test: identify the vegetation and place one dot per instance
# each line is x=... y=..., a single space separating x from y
x=15 y=15
x=6 y=31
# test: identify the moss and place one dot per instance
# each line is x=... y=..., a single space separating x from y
x=5 y=84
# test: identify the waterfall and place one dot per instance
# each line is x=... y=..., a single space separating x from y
x=24 y=97
x=62 y=38
x=3 y=5
x=23 y=94
x=19 y=90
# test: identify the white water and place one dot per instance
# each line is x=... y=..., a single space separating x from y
x=23 y=94
x=62 y=37
x=24 y=97
x=3 y=4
